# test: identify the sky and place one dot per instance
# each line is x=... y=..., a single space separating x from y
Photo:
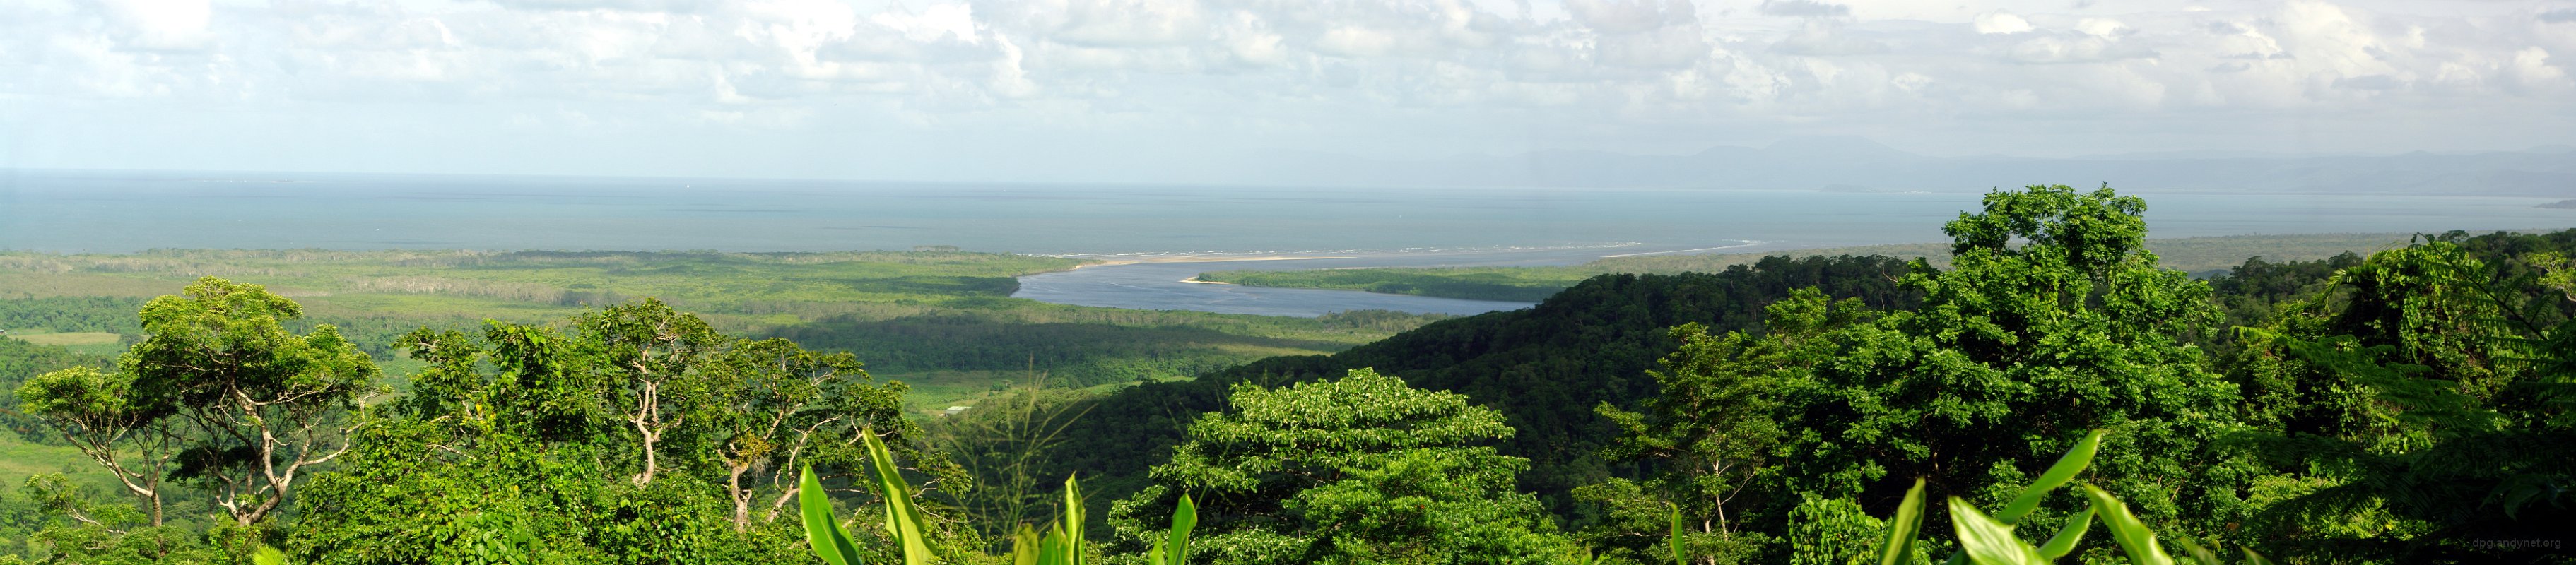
x=1132 y=90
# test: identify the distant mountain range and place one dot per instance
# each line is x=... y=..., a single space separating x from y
x=1852 y=164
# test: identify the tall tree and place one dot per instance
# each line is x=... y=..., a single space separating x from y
x=2053 y=321
x=655 y=356
x=247 y=405
x=96 y=412
x=781 y=407
x=523 y=441
x=1357 y=470
x=1711 y=434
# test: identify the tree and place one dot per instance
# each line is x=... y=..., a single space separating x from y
x=2428 y=394
x=526 y=443
x=1712 y=431
x=1357 y=470
x=781 y=407
x=222 y=389
x=2054 y=320
x=96 y=412
x=653 y=353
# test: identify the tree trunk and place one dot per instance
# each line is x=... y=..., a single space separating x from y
x=741 y=498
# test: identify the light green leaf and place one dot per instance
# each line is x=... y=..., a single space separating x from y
x=1901 y=528
x=821 y=532
x=1678 y=557
x=1988 y=541
x=2058 y=474
x=2252 y=558
x=2133 y=535
x=1184 y=519
x=268 y=556
x=1072 y=524
x=909 y=533
x=2068 y=536
x=1024 y=546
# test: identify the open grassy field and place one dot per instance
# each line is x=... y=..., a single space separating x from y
x=926 y=317
x=95 y=343
x=2195 y=255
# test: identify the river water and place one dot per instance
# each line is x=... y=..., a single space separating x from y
x=1157 y=286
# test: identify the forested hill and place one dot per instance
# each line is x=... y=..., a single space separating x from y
x=1544 y=367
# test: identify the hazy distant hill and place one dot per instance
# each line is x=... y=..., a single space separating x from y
x=1851 y=163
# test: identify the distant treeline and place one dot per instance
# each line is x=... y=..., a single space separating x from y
x=110 y=314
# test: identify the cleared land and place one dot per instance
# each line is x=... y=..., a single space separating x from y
x=1530 y=284
x=941 y=320
x=102 y=344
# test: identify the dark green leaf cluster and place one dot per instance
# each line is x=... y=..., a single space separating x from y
x=1361 y=469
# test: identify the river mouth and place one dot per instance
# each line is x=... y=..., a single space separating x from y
x=1165 y=281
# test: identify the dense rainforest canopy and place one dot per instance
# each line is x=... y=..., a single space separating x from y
x=2409 y=406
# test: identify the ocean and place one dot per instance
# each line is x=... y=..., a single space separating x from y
x=125 y=211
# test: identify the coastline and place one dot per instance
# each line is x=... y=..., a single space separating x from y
x=1093 y=261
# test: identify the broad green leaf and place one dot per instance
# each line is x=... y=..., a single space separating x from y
x=2068 y=536
x=2058 y=474
x=1184 y=519
x=1053 y=551
x=1024 y=546
x=909 y=533
x=268 y=556
x=821 y=531
x=1988 y=541
x=2201 y=555
x=2252 y=558
x=1072 y=525
x=1901 y=528
x=1678 y=557
x=2133 y=535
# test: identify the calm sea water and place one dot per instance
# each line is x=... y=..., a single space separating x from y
x=88 y=211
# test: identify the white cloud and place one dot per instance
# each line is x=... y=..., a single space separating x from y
x=2001 y=22
x=159 y=24
x=2101 y=27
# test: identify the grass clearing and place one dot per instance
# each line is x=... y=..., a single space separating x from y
x=41 y=336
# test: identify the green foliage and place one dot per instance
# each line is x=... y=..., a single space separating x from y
x=1546 y=368
x=20 y=361
x=635 y=433
x=1062 y=545
x=2053 y=320
x=1989 y=540
x=1711 y=433
x=1899 y=545
x=1832 y=531
x=110 y=314
x=1003 y=443
x=2437 y=396
x=221 y=395
x=1357 y=470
